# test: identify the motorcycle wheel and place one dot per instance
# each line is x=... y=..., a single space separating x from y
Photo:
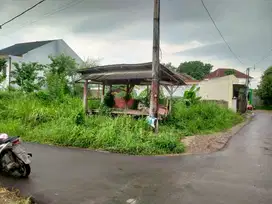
x=26 y=170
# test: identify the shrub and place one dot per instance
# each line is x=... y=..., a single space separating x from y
x=202 y=118
x=26 y=76
x=109 y=100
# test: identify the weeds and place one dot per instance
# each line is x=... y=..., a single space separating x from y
x=202 y=118
x=36 y=119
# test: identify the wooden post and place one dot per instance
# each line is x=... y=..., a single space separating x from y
x=98 y=91
x=171 y=99
x=103 y=93
x=85 y=96
x=171 y=91
x=153 y=111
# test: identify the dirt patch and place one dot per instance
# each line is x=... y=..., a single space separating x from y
x=213 y=142
x=8 y=197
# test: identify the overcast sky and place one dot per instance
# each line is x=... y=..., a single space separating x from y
x=120 y=31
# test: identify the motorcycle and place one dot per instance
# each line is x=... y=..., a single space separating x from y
x=13 y=158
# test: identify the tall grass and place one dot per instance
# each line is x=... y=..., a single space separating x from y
x=37 y=119
x=202 y=118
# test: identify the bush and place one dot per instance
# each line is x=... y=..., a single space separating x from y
x=202 y=118
x=109 y=100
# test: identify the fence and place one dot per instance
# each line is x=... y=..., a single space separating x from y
x=218 y=102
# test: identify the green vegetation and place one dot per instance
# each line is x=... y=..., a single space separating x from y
x=229 y=72
x=202 y=118
x=265 y=87
x=63 y=123
x=54 y=115
x=3 y=66
x=263 y=107
x=26 y=76
x=38 y=119
x=196 y=69
x=190 y=96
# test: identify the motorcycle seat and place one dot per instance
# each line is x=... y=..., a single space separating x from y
x=10 y=139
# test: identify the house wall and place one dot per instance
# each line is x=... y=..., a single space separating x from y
x=218 y=89
x=63 y=48
x=41 y=54
x=178 y=93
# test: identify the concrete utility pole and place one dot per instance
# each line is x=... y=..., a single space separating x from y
x=155 y=64
x=247 y=83
x=247 y=80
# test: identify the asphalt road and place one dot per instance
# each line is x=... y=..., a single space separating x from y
x=241 y=174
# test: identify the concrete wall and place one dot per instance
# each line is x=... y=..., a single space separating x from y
x=63 y=48
x=218 y=89
x=178 y=93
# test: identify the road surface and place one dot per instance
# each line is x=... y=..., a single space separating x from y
x=241 y=174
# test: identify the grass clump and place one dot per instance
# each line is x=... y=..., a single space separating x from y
x=9 y=197
x=202 y=118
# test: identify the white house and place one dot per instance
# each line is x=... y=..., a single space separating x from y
x=35 y=52
x=221 y=72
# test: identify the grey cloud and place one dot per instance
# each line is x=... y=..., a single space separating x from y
x=245 y=24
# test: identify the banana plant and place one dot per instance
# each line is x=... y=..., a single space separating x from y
x=190 y=96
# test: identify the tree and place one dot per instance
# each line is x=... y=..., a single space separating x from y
x=90 y=62
x=265 y=87
x=3 y=66
x=63 y=65
x=26 y=77
x=62 y=72
x=229 y=72
x=170 y=66
x=196 y=69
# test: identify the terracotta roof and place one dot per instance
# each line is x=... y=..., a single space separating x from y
x=221 y=73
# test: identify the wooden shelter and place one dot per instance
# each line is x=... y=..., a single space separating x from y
x=129 y=75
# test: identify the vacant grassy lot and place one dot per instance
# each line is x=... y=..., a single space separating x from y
x=37 y=119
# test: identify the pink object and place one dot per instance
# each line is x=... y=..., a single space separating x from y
x=3 y=136
x=121 y=103
x=162 y=110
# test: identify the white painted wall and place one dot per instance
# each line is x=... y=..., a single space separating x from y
x=41 y=54
x=178 y=93
x=218 y=89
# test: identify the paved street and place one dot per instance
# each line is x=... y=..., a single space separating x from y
x=241 y=174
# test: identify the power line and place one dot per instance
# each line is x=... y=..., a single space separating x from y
x=64 y=7
x=264 y=57
x=32 y=7
x=220 y=32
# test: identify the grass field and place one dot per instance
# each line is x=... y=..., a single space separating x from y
x=37 y=119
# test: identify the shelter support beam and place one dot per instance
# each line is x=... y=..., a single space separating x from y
x=85 y=96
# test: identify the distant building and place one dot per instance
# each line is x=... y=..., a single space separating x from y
x=222 y=72
x=34 y=52
x=226 y=88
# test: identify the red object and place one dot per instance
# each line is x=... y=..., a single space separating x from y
x=162 y=110
x=221 y=73
x=122 y=104
x=249 y=107
x=15 y=142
